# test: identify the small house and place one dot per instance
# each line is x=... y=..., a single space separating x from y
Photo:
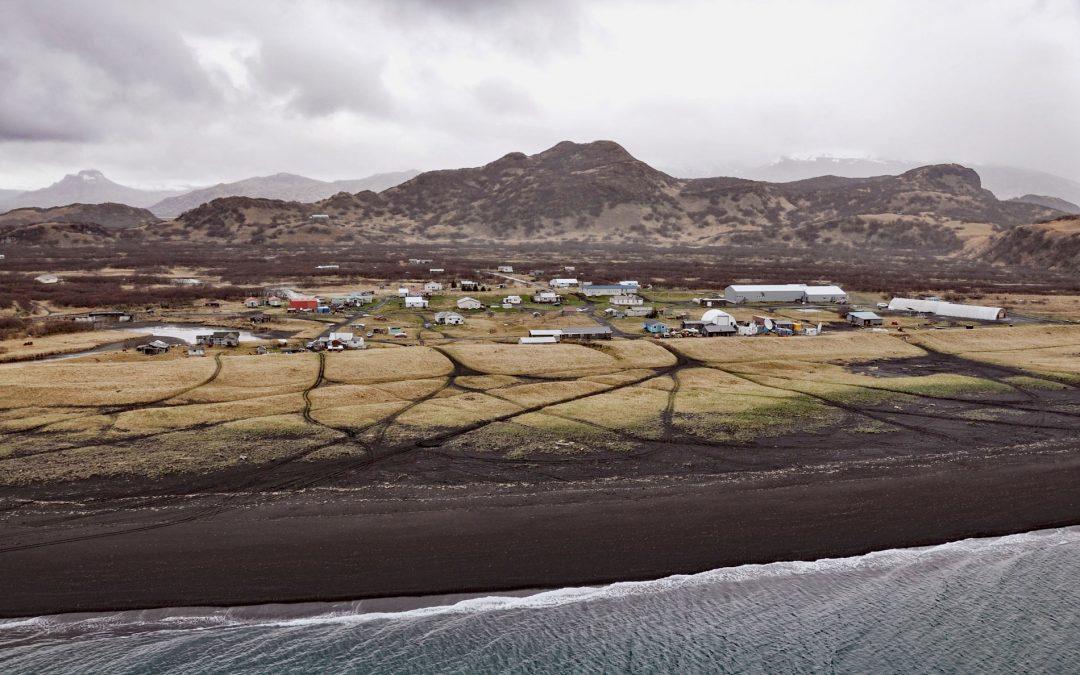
x=631 y=283
x=654 y=327
x=196 y=351
x=710 y=302
x=416 y=302
x=153 y=348
x=468 y=285
x=346 y=340
x=402 y=291
x=449 y=318
x=469 y=303
x=864 y=319
x=717 y=330
x=512 y=300
x=508 y=269
x=432 y=287
x=219 y=338
x=594 y=290
x=547 y=297
x=274 y=301
x=436 y=270
x=252 y=302
x=627 y=300
x=563 y=283
x=639 y=310
x=320 y=218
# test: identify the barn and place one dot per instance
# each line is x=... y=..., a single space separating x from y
x=783 y=293
x=302 y=304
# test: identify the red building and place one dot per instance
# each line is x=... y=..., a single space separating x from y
x=303 y=305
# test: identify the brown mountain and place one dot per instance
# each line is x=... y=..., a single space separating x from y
x=1055 y=243
x=1049 y=202
x=85 y=187
x=599 y=192
x=72 y=225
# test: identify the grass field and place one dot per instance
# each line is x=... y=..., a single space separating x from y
x=75 y=419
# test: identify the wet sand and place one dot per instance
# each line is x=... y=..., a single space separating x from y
x=341 y=544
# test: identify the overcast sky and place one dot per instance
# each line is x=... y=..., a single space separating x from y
x=171 y=94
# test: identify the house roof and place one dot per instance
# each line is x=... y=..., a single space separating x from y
x=586 y=330
x=864 y=315
x=447 y=315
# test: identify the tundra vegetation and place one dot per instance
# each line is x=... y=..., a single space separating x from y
x=109 y=417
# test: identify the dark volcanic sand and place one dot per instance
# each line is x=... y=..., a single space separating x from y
x=441 y=520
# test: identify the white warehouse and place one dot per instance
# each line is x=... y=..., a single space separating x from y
x=737 y=293
x=947 y=309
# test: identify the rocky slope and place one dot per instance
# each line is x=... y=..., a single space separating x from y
x=283 y=186
x=1049 y=202
x=1054 y=244
x=74 y=224
x=598 y=192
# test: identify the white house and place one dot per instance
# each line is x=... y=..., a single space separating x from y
x=592 y=290
x=402 y=291
x=630 y=283
x=563 y=283
x=512 y=300
x=468 y=285
x=508 y=269
x=546 y=297
x=543 y=340
x=346 y=340
x=449 y=318
x=627 y=300
x=469 y=303
x=416 y=302
x=432 y=287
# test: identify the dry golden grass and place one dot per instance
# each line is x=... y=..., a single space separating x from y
x=13 y=350
x=637 y=353
x=513 y=359
x=542 y=393
x=190 y=415
x=386 y=365
x=484 y=382
x=635 y=407
x=957 y=341
x=357 y=416
x=65 y=383
x=254 y=376
x=456 y=411
x=835 y=347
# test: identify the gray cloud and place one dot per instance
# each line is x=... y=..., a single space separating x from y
x=198 y=92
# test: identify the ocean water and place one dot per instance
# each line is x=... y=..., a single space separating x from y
x=997 y=605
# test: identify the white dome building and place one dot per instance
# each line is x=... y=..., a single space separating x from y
x=718 y=317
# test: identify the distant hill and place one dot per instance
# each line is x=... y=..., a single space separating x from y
x=86 y=187
x=1054 y=244
x=5 y=195
x=1004 y=181
x=598 y=192
x=74 y=224
x=108 y=216
x=1049 y=202
x=284 y=186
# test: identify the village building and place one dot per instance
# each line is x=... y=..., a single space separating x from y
x=449 y=318
x=436 y=270
x=303 y=304
x=508 y=269
x=46 y=278
x=512 y=300
x=627 y=300
x=403 y=291
x=563 y=283
x=584 y=333
x=420 y=261
x=864 y=319
x=153 y=348
x=717 y=317
x=432 y=287
x=546 y=297
x=947 y=309
x=639 y=311
x=569 y=268
x=654 y=327
x=259 y=318
x=416 y=302
x=346 y=340
x=319 y=218
x=196 y=351
x=710 y=302
x=594 y=290
x=631 y=283
x=741 y=293
x=186 y=282
x=219 y=338
x=541 y=340
x=717 y=330
x=274 y=301
x=107 y=316
x=469 y=303
x=327 y=267
x=252 y=302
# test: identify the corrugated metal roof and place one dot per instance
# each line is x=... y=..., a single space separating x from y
x=949 y=309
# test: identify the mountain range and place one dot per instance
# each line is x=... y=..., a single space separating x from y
x=92 y=187
x=1005 y=182
x=598 y=192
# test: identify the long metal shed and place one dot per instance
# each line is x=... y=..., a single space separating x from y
x=947 y=309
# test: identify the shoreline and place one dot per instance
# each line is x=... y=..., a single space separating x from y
x=311 y=547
